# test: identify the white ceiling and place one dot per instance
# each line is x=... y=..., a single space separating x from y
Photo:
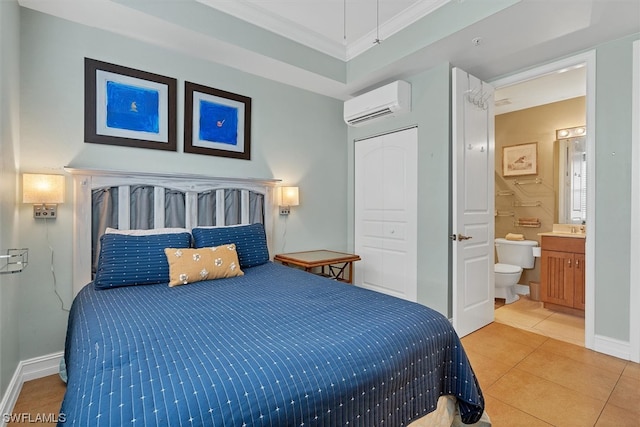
x=515 y=34
x=340 y=28
x=553 y=87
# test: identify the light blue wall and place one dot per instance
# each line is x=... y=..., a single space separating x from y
x=430 y=111
x=613 y=187
x=297 y=136
x=206 y=20
x=9 y=138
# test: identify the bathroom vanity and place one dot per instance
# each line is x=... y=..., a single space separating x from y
x=562 y=278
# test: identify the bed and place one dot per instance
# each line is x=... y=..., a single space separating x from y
x=250 y=342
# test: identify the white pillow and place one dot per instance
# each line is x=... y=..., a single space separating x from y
x=149 y=232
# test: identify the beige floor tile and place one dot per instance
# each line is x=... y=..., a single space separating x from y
x=510 y=333
x=499 y=343
x=582 y=378
x=632 y=370
x=545 y=400
x=533 y=317
x=612 y=416
x=584 y=355
x=564 y=327
x=486 y=369
x=626 y=395
x=503 y=415
x=522 y=313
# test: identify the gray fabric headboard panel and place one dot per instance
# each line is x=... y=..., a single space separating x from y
x=148 y=200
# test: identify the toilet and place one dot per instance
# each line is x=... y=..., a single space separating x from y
x=513 y=256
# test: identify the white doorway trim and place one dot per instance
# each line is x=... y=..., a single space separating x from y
x=634 y=286
x=588 y=58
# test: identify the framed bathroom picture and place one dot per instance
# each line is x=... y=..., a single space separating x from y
x=129 y=107
x=216 y=122
x=521 y=159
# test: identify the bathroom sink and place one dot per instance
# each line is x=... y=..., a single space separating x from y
x=566 y=230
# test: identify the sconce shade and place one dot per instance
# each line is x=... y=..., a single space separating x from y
x=42 y=189
x=289 y=196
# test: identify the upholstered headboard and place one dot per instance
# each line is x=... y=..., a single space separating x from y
x=85 y=181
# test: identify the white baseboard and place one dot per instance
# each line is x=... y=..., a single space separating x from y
x=612 y=347
x=27 y=370
x=602 y=344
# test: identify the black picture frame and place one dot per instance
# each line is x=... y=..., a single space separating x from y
x=216 y=122
x=129 y=107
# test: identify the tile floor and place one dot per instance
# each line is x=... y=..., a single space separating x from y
x=530 y=379
x=556 y=378
x=532 y=316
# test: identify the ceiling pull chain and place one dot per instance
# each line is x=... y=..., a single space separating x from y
x=377 y=40
x=344 y=21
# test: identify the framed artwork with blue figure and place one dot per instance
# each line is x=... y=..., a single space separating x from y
x=129 y=107
x=216 y=122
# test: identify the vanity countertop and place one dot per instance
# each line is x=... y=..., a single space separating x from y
x=566 y=230
x=564 y=234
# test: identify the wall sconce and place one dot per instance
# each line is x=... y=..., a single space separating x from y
x=45 y=192
x=289 y=196
x=571 y=132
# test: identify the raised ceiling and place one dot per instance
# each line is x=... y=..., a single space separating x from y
x=340 y=28
x=301 y=42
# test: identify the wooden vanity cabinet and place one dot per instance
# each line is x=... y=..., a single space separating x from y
x=562 y=273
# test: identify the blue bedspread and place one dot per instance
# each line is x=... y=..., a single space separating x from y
x=277 y=347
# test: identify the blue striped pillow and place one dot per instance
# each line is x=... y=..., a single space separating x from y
x=127 y=260
x=250 y=241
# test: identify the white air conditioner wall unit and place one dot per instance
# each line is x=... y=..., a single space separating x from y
x=387 y=101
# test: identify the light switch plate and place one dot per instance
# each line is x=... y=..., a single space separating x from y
x=45 y=211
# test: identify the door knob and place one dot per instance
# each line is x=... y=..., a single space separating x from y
x=460 y=237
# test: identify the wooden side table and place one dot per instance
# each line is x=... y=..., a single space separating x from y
x=332 y=264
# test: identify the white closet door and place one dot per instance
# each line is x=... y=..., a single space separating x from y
x=386 y=211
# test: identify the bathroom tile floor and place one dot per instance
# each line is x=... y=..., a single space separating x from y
x=529 y=379
x=532 y=316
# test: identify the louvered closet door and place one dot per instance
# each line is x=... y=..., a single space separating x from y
x=385 y=226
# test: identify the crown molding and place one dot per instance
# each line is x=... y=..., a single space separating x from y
x=267 y=20
x=402 y=20
x=119 y=19
x=263 y=18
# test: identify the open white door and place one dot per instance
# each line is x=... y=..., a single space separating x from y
x=473 y=206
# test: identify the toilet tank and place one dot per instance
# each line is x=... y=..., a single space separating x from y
x=516 y=252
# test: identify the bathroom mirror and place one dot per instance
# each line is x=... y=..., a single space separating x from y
x=572 y=175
